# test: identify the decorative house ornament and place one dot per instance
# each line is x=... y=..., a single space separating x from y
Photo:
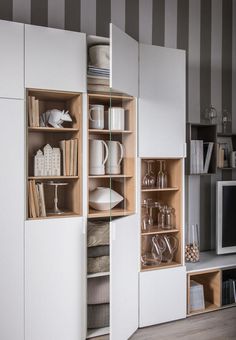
x=39 y=164
x=55 y=118
x=48 y=162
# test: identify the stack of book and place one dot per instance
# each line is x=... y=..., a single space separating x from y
x=69 y=157
x=36 y=199
x=33 y=111
x=200 y=156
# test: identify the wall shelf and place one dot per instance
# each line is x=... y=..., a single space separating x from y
x=52 y=129
x=158 y=189
x=156 y=231
x=52 y=177
x=160 y=266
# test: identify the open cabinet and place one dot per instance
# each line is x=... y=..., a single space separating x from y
x=112 y=227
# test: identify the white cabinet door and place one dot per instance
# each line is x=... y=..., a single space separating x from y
x=55 y=59
x=161 y=122
x=162 y=296
x=12 y=220
x=12 y=60
x=123 y=62
x=54 y=279
x=124 y=277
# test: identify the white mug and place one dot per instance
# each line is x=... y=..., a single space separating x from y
x=98 y=154
x=115 y=156
x=96 y=116
x=116 y=118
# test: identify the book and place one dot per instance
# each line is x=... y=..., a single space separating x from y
x=75 y=158
x=32 y=209
x=67 y=157
x=208 y=148
x=72 y=146
x=62 y=144
x=41 y=200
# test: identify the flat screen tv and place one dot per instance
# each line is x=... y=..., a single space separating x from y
x=226 y=217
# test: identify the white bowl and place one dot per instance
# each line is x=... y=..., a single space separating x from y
x=104 y=198
x=100 y=56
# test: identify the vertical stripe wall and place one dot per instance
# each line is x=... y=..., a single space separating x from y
x=206 y=29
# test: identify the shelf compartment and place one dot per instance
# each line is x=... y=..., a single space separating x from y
x=211 y=281
x=207 y=133
x=110 y=176
x=108 y=132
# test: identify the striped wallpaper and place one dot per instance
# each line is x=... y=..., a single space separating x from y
x=206 y=29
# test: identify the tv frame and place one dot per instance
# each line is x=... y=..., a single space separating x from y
x=219 y=190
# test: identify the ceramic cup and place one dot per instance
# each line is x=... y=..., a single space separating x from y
x=115 y=156
x=96 y=117
x=98 y=154
x=116 y=118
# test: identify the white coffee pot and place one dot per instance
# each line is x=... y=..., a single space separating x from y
x=98 y=155
x=115 y=156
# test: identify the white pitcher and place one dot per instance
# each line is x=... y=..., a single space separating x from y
x=115 y=156
x=96 y=117
x=116 y=118
x=98 y=155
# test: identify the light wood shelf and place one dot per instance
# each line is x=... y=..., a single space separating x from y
x=158 y=189
x=156 y=231
x=160 y=266
x=209 y=307
x=52 y=129
x=110 y=176
x=52 y=177
x=92 y=333
x=91 y=276
x=107 y=213
x=108 y=132
x=64 y=214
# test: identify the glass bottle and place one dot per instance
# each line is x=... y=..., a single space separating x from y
x=161 y=177
x=192 y=248
x=165 y=175
x=147 y=220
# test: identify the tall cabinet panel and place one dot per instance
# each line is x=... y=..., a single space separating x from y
x=55 y=59
x=161 y=102
x=54 y=268
x=12 y=220
x=12 y=60
x=123 y=62
x=124 y=277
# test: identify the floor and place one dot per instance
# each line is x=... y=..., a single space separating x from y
x=220 y=325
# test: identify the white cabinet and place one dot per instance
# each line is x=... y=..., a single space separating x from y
x=54 y=279
x=55 y=59
x=123 y=62
x=162 y=296
x=124 y=277
x=12 y=220
x=12 y=60
x=161 y=123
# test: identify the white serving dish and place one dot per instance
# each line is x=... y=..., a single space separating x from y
x=104 y=198
x=100 y=56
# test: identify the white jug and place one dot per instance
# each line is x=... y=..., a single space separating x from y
x=116 y=118
x=115 y=156
x=98 y=154
x=96 y=117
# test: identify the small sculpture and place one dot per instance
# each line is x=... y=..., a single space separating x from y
x=55 y=118
x=48 y=162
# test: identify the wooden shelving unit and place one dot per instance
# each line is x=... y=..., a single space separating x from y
x=70 y=196
x=123 y=183
x=207 y=133
x=171 y=196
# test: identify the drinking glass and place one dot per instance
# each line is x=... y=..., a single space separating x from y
x=147 y=220
x=165 y=175
x=172 y=244
x=149 y=178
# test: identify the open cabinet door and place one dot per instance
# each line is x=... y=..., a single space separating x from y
x=162 y=99
x=123 y=62
x=124 y=277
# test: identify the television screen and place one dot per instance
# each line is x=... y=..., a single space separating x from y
x=229 y=216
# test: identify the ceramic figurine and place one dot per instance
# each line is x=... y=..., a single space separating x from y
x=56 y=162
x=55 y=118
x=39 y=164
